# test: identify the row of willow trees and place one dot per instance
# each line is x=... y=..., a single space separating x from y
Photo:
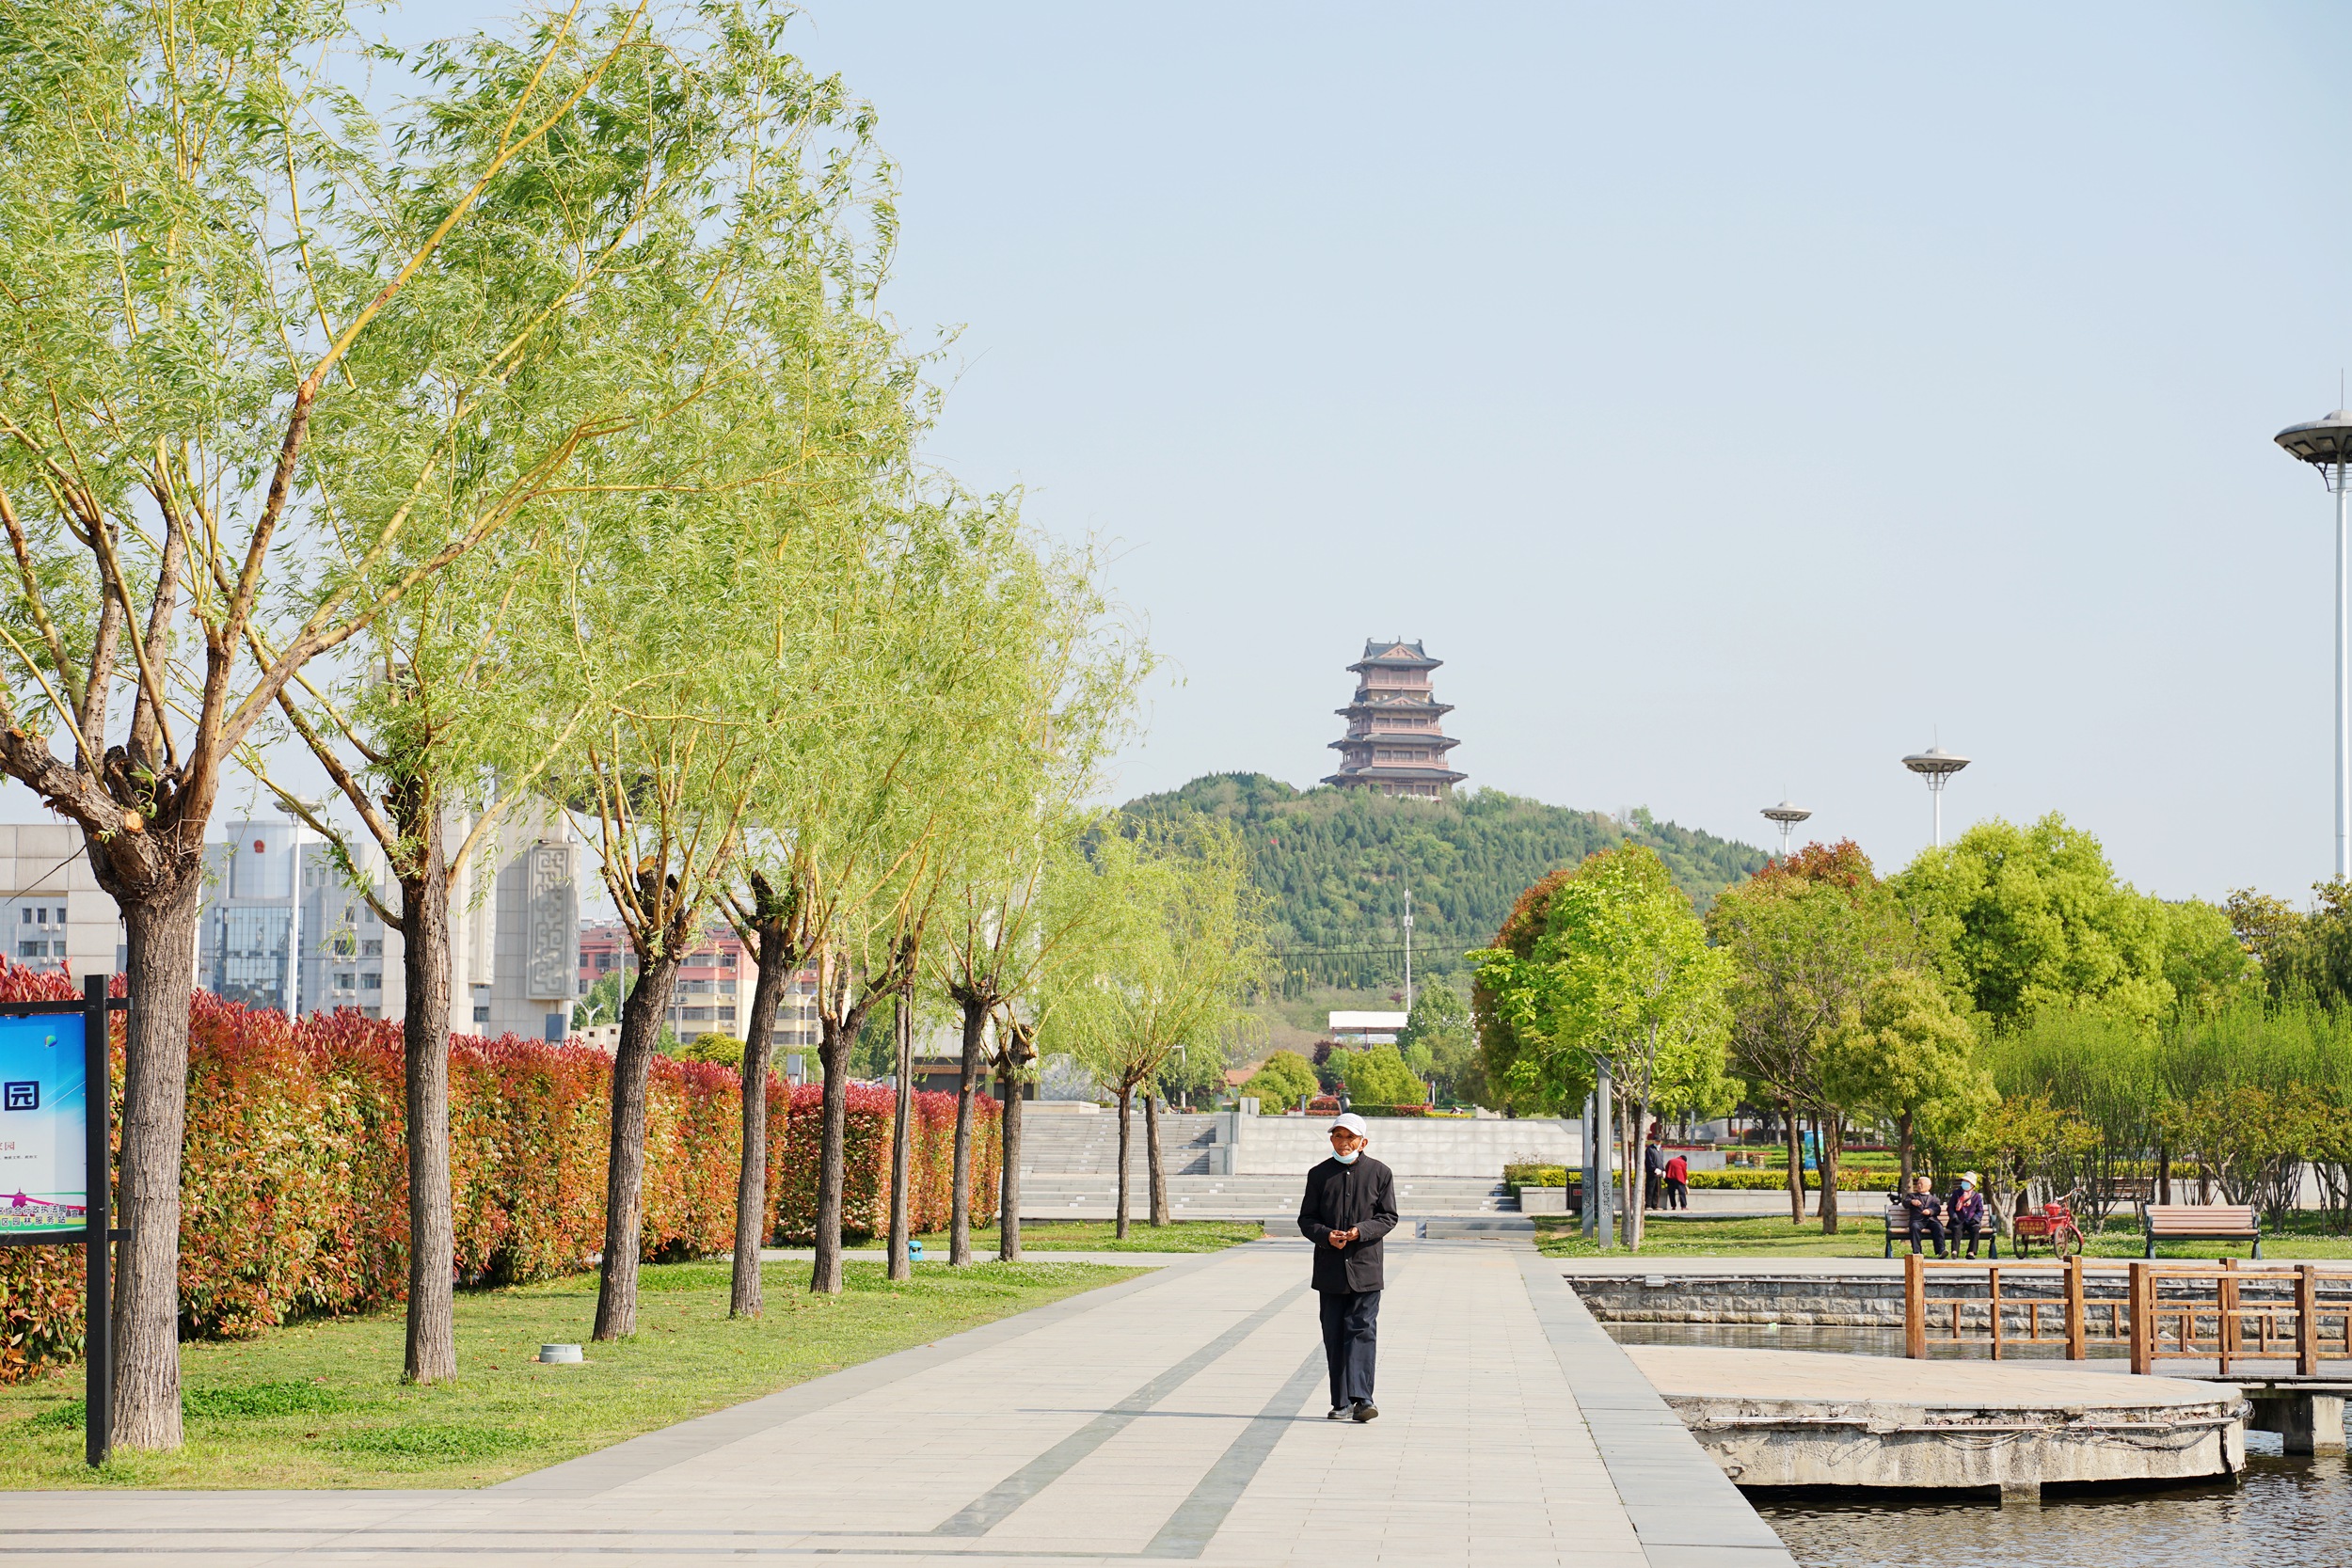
x=538 y=444
x=2004 y=1004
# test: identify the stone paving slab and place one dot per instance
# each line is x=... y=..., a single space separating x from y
x=1176 y=1417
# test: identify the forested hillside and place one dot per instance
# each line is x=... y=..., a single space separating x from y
x=1336 y=864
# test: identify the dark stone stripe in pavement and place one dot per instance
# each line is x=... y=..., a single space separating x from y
x=993 y=1507
x=1199 y=1517
x=656 y=1451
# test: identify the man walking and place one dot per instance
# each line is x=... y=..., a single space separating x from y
x=1349 y=1206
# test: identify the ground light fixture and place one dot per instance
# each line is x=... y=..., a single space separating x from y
x=1788 y=814
x=2327 y=445
x=1936 y=766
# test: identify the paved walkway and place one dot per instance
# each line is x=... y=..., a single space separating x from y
x=1177 y=1416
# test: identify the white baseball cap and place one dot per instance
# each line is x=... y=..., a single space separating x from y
x=1353 y=1123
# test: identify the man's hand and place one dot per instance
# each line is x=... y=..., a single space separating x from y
x=1340 y=1237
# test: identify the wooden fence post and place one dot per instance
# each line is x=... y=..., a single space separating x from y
x=2144 y=1300
x=2075 y=1349
x=2228 y=1291
x=1915 y=1306
x=2307 y=1319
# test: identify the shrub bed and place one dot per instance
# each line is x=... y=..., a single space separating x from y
x=1849 y=1179
x=293 y=1186
x=1517 y=1176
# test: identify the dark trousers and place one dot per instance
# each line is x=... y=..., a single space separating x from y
x=1649 y=1190
x=1929 y=1225
x=1351 y=1334
x=1678 y=1193
x=1972 y=1229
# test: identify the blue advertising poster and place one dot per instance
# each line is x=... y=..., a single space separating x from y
x=44 y=1109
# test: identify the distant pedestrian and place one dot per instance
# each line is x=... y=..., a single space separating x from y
x=1678 y=1183
x=1350 y=1204
x=1653 y=1167
x=1925 y=1214
x=1966 y=1208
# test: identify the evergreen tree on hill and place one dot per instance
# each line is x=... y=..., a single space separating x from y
x=1334 y=863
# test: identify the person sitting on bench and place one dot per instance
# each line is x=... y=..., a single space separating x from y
x=1926 y=1215
x=1967 y=1208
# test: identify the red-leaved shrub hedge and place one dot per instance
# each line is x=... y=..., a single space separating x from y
x=865 y=1159
x=293 y=1186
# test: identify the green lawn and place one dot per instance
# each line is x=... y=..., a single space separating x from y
x=1701 y=1236
x=1100 y=1236
x=320 y=1404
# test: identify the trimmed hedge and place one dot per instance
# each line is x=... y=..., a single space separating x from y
x=865 y=1159
x=293 y=1187
x=1515 y=1177
x=1849 y=1181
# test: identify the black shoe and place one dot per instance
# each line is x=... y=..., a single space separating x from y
x=1366 y=1410
x=1338 y=1413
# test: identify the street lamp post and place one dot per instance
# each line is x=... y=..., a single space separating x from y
x=1788 y=814
x=1936 y=766
x=2327 y=445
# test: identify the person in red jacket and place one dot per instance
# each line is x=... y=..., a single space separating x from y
x=1678 y=1183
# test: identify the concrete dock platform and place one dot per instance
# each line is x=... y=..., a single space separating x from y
x=1772 y=1417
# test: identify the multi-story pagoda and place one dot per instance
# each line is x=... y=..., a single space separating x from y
x=1393 y=743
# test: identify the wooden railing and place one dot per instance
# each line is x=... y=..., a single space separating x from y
x=2159 y=1311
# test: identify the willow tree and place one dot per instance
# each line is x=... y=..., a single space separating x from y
x=1054 y=697
x=603 y=300
x=1178 y=946
x=888 y=797
x=212 y=259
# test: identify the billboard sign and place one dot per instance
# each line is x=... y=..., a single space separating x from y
x=44 y=1127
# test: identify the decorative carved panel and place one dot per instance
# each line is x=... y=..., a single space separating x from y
x=552 y=923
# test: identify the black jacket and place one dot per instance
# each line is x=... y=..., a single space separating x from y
x=1362 y=1197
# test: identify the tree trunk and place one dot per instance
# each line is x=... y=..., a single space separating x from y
x=162 y=973
x=1126 y=1125
x=1641 y=1150
x=1796 y=1163
x=776 y=961
x=1018 y=1053
x=1158 y=1166
x=424 y=1047
x=968 y=1075
x=1902 y=1127
x=2163 y=1174
x=1629 y=1194
x=642 y=1018
x=833 y=1040
x=902 y=1138
x=1831 y=1133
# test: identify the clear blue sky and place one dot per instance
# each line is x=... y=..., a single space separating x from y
x=1732 y=396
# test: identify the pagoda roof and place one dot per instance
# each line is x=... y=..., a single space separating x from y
x=1389 y=772
x=1395 y=654
x=1393 y=704
x=1437 y=742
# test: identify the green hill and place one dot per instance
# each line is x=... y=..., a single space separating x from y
x=1335 y=863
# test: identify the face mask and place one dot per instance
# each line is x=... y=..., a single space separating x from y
x=1346 y=1158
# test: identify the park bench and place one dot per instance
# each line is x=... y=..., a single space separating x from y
x=2200 y=1222
x=2137 y=1191
x=1898 y=1221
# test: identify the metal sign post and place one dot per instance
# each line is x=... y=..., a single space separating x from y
x=97 y=1350
x=44 y=1099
